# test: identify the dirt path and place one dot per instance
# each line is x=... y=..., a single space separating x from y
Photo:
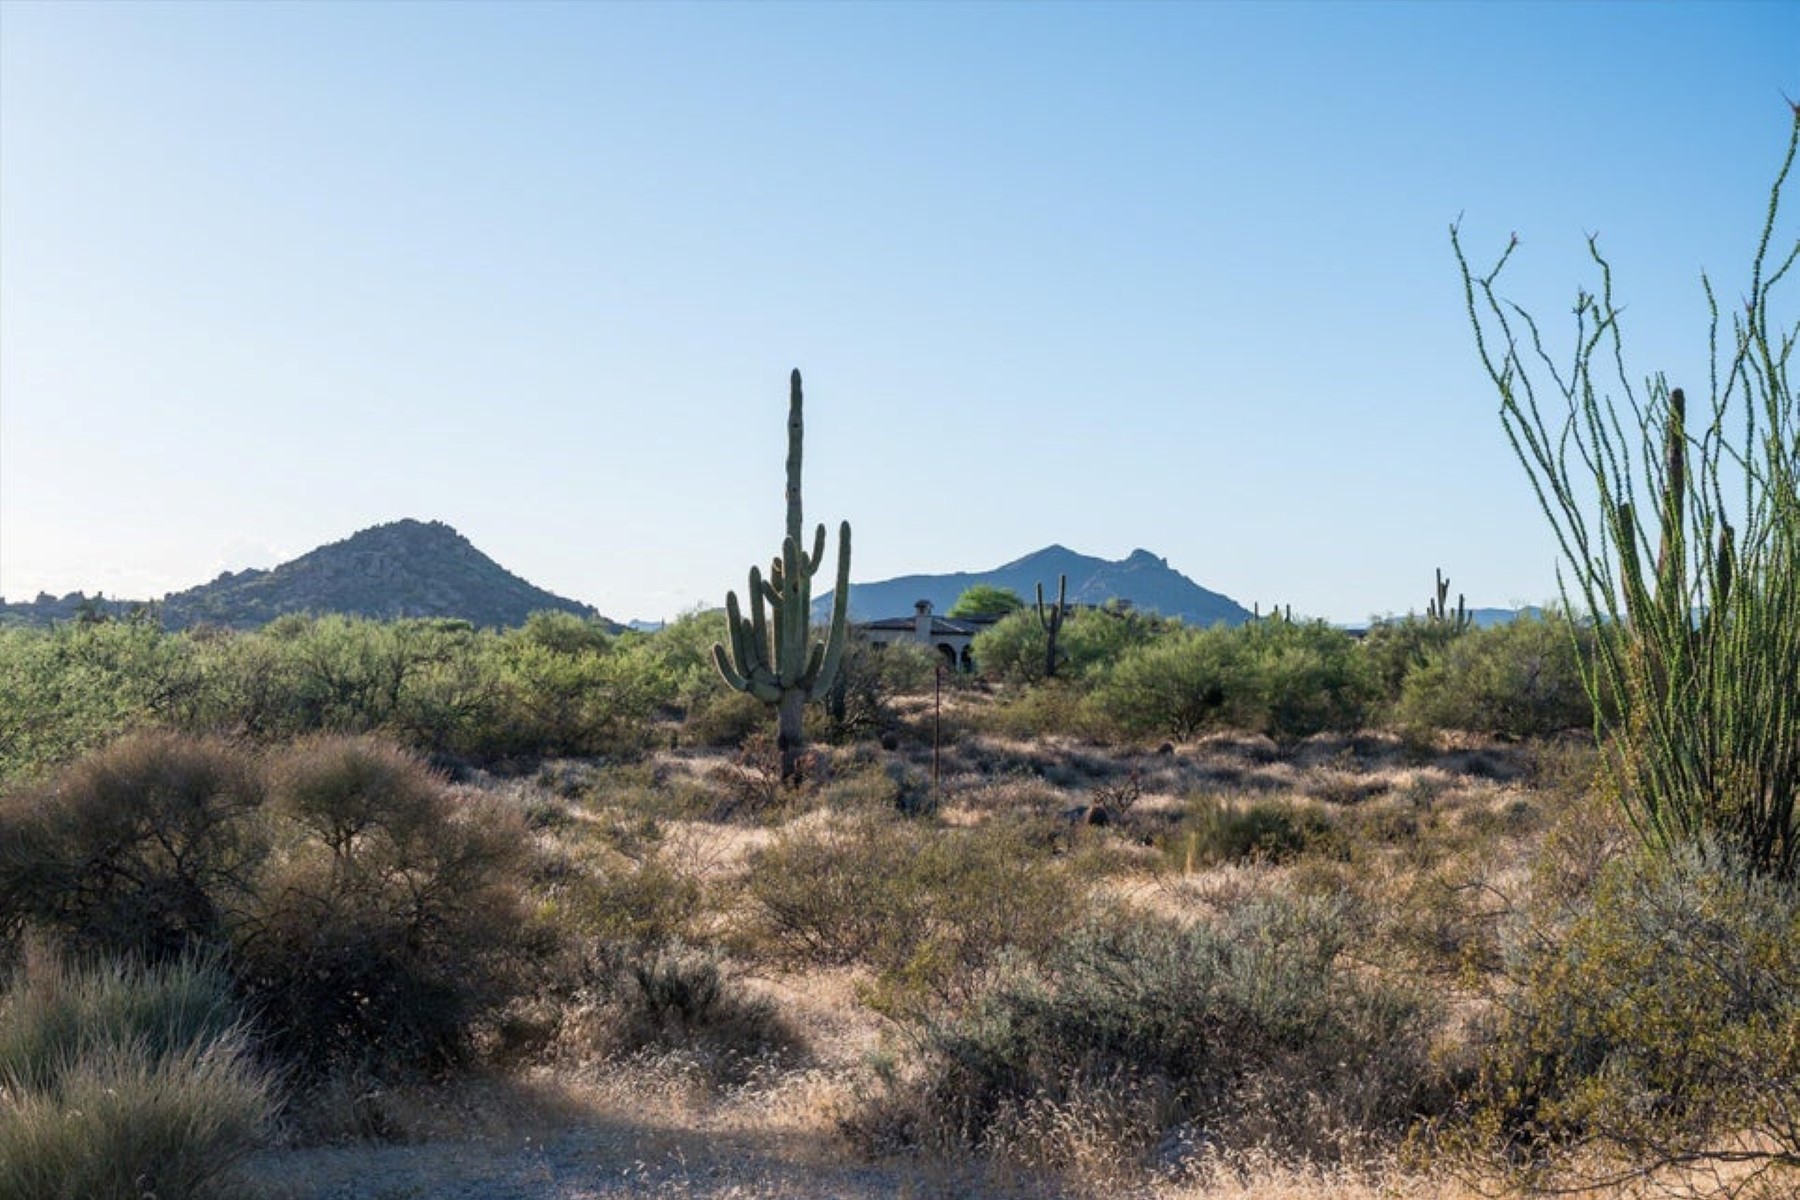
x=610 y=1160
x=624 y=1133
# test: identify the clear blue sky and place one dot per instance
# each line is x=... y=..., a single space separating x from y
x=1172 y=276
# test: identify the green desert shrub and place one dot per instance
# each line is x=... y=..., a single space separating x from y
x=566 y=633
x=553 y=701
x=248 y=682
x=348 y=675
x=1658 y=1024
x=74 y=688
x=1286 y=679
x=929 y=909
x=1522 y=679
x=557 y=685
x=425 y=681
x=1215 y=830
x=123 y=1082
x=1011 y=648
x=1306 y=677
x=453 y=700
x=145 y=847
x=371 y=916
x=905 y=667
x=870 y=676
x=1180 y=684
x=1091 y=639
x=1255 y=1030
x=389 y=918
x=1053 y=708
x=1394 y=649
x=683 y=648
x=722 y=717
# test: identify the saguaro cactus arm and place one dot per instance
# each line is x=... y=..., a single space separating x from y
x=838 y=632
x=1052 y=621
x=746 y=667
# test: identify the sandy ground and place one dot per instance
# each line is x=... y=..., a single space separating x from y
x=613 y=1157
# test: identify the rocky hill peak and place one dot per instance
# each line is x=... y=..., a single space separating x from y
x=405 y=568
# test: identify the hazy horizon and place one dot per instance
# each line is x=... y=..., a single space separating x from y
x=1112 y=276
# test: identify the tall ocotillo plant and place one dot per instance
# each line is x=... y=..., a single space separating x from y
x=772 y=655
x=1699 y=657
x=1052 y=621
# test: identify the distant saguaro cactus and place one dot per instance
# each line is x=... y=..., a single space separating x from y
x=775 y=659
x=1437 y=610
x=1052 y=622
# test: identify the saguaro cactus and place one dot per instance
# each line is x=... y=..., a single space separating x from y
x=1437 y=610
x=1052 y=622
x=772 y=655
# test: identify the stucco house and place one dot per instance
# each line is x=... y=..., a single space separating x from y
x=949 y=636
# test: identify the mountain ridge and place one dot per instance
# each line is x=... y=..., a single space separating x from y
x=404 y=568
x=1141 y=577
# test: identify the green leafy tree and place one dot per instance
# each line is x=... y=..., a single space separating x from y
x=567 y=633
x=985 y=598
x=71 y=689
x=582 y=702
x=1522 y=678
x=1091 y=640
x=684 y=647
x=1306 y=677
x=1394 y=649
x=1283 y=678
x=1011 y=649
x=1191 y=680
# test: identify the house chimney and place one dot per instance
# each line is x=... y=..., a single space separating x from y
x=922 y=621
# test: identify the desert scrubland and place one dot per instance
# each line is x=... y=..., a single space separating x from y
x=339 y=908
x=292 y=905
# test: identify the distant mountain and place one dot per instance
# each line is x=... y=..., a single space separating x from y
x=1143 y=578
x=1487 y=618
x=1479 y=618
x=58 y=610
x=401 y=569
